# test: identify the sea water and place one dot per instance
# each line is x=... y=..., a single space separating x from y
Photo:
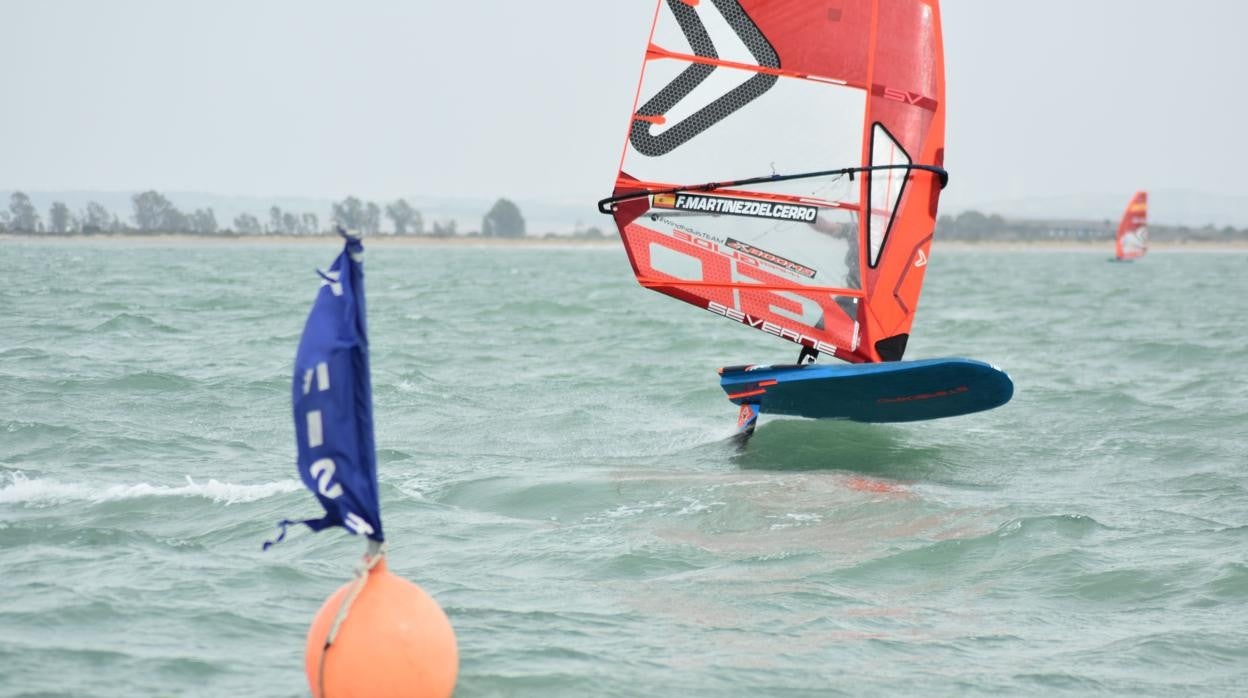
x=556 y=471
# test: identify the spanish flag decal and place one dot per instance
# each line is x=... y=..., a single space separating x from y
x=664 y=201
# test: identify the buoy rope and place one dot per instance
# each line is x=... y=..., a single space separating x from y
x=375 y=553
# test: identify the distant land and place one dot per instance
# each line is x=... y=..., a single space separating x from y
x=1174 y=215
x=542 y=217
x=1172 y=207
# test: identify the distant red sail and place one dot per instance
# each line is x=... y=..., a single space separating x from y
x=842 y=102
x=1132 y=239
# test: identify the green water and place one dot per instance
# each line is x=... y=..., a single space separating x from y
x=555 y=471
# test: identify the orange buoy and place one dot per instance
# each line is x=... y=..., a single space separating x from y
x=393 y=641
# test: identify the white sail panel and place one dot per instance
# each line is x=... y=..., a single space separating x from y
x=824 y=133
x=886 y=186
x=713 y=33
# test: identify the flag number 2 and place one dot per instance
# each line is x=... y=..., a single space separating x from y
x=323 y=471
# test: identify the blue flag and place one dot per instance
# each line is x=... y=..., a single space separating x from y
x=332 y=398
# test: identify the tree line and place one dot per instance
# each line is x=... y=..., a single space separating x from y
x=976 y=226
x=153 y=213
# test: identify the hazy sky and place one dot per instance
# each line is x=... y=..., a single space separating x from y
x=531 y=99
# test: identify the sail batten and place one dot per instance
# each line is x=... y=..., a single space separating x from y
x=654 y=52
x=844 y=106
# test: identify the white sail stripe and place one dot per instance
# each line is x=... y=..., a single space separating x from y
x=316 y=433
x=322 y=376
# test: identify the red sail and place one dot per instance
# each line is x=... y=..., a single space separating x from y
x=824 y=122
x=1132 y=239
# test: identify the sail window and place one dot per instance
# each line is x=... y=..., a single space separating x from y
x=675 y=264
x=884 y=187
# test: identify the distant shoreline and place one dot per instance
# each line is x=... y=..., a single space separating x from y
x=166 y=239
x=1105 y=246
x=1101 y=246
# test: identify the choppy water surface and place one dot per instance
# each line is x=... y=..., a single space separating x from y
x=555 y=471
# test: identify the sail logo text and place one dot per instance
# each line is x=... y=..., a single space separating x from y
x=788 y=264
x=737 y=207
x=770 y=327
x=905 y=96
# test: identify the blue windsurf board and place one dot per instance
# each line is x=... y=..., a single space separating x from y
x=898 y=391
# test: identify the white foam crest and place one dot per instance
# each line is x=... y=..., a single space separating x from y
x=41 y=492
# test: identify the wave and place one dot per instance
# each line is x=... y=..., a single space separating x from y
x=41 y=492
x=129 y=322
x=24 y=353
x=145 y=380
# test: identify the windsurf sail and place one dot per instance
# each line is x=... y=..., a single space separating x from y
x=783 y=165
x=1132 y=239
